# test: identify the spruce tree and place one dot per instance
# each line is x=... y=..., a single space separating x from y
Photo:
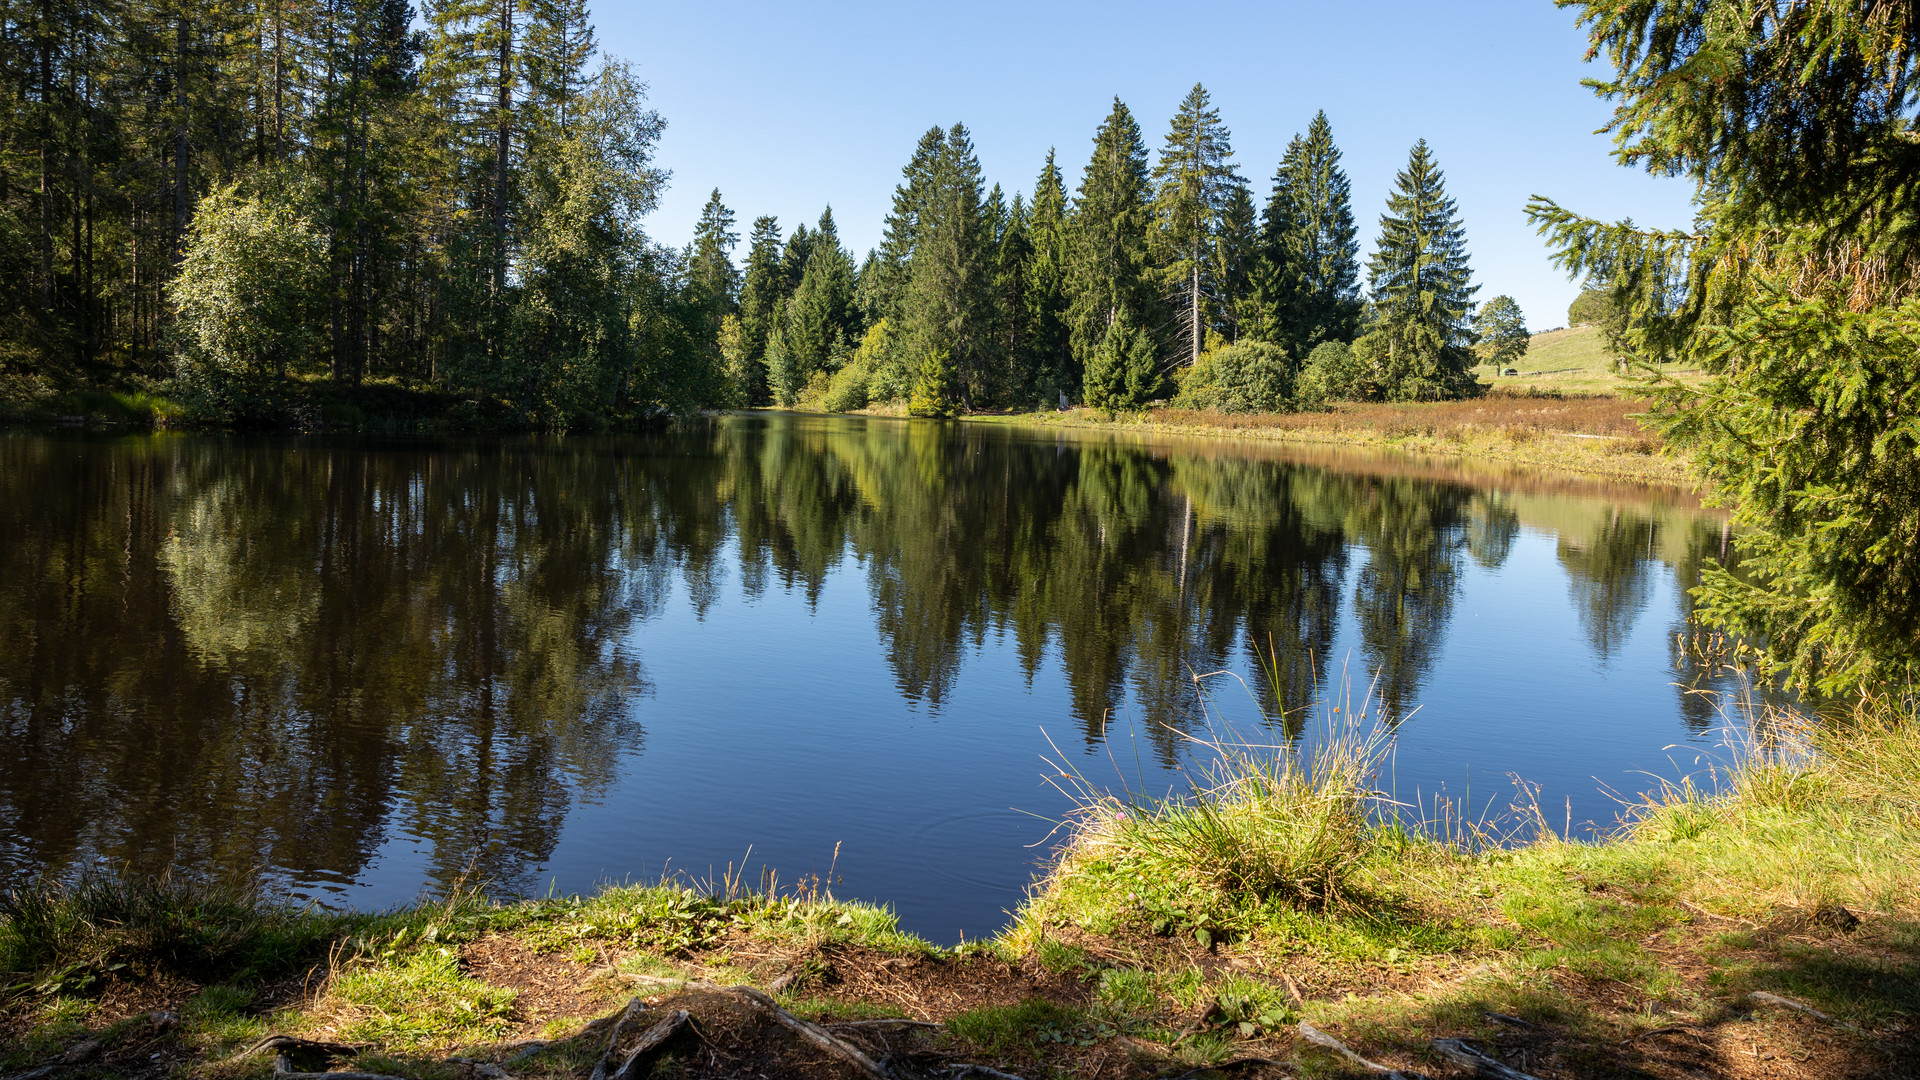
x=1044 y=292
x=710 y=267
x=1108 y=275
x=821 y=321
x=1420 y=284
x=887 y=286
x=1193 y=182
x=948 y=305
x=1234 y=266
x=762 y=288
x=1013 y=347
x=1324 y=244
x=1278 y=277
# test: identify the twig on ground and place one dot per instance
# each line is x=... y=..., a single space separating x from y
x=1691 y=906
x=1227 y=1066
x=1460 y=1053
x=1505 y=1019
x=287 y=1044
x=883 y=1023
x=1800 y=1007
x=1325 y=1041
x=1654 y=1034
x=979 y=1070
x=283 y=1070
x=813 y=1033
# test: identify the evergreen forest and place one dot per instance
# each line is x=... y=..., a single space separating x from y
x=296 y=215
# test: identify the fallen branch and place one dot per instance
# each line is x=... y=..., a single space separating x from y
x=1654 y=1034
x=1716 y=915
x=1505 y=1019
x=1327 y=1042
x=640 y=1058
x=813 y=1033
x=35 y=1074
x=1227 y=1066
x=979 y=1070
x=1800 y=1007
x=665 y=983
x=283 y=1070
x=1460 y=1053
x=287 y=1044
x=631 y=1012
x=901 y=1022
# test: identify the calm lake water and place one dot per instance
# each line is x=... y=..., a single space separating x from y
x=358 y=670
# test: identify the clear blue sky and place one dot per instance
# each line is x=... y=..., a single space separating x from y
x=787 y=108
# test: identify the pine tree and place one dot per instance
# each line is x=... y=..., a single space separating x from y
x=1279 y=275
x=1419 y=282
x=1044 y=296
x=1193 y=183
x=1108 y=273
x=887 y=286
x=559 y=46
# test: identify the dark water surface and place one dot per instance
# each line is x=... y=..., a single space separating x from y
x=357 y=670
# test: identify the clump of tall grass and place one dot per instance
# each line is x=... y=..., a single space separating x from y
x=1293 y=822
x=70 y=936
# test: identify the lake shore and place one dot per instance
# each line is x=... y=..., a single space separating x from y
x=1763 y=930
x=1590 y=436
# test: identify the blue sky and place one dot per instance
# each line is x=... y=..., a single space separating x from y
x=787 y=107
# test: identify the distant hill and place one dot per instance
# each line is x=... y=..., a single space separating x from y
x=1573 y=360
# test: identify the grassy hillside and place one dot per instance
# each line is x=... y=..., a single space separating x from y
x=1572 y=361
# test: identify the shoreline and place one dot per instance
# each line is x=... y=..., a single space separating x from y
x=1604 y=456
x=1712 y=935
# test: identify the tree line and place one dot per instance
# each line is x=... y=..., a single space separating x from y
x=285 y=212
x=1149 y=279
x=265 y=202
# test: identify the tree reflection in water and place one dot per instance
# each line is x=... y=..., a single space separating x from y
x=274 y=656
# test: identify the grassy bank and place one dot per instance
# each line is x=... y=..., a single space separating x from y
x=1183 y=938
x=1593 y=436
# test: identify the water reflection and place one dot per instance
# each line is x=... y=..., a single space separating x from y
x=278 y=656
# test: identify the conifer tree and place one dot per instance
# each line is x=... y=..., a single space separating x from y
x=1193 y=182
x=1279 y=277
x=1044 y=296
x=887 y=287
x=710 y=267
x=948 y=305
x=762 y=287
x=1234 y=266
x=1012 y=256
x=1323 y=243
x=1420 y=283
x=559 y=46
x=1108 y=274
x=820 y=326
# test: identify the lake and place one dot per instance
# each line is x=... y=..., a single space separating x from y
x=837 y=649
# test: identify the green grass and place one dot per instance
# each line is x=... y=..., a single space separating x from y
x=1573 y=360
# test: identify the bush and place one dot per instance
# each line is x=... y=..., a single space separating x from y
x=1333 y=373
x=1123 y=372
x=854 y=385
x=932 y=393
x=1246 y=377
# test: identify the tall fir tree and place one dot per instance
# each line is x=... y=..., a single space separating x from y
x=1111 y=215
x=887 y=287
x=1044 y=293
x=1234 y=266
x=762 y=291
x=1324 y=244
x=821 y=323
x=1193 y=181
x=710 y=268
x=1012 y=256
x=948 y=306
x=1421 y=285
